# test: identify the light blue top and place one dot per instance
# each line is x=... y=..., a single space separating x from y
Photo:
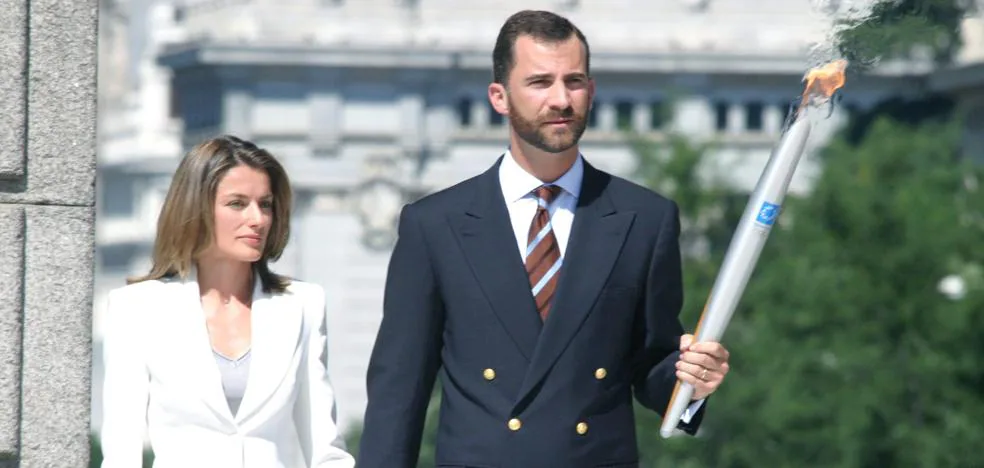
x=234 y=375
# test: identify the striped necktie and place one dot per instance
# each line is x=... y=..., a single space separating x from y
x=542 y=251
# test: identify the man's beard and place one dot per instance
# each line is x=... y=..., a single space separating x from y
x=544 y=138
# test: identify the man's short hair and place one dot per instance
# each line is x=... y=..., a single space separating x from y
x=542 y=26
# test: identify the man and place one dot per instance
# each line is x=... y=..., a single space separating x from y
x=545 y=291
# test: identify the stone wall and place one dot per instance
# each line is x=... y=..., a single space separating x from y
x=47 y=180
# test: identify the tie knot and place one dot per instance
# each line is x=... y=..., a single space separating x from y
x=547 y=193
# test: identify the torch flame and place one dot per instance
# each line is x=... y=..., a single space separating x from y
x=822 y=82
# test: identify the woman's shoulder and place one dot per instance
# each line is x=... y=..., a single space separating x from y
x=311 y=298
x=142 y=289
x=132 y=305
x=306 y=290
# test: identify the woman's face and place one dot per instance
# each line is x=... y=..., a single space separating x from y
x=243 y=215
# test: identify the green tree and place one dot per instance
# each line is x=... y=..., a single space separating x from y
x=96 y=457
x=904 y=29
x=844 y=352
x=426 y=458
x=676 y=167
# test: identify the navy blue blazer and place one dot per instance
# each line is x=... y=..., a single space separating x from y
x=518 y=392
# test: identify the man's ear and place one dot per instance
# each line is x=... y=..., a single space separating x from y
x=499 y=98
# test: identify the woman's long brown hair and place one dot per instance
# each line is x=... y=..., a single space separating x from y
x=185 y=227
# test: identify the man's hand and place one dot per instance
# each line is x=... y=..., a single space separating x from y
x=702 y=365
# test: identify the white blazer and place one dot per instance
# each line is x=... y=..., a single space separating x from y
x=161 y=376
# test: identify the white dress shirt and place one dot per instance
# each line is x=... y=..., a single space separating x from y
x=517 y=190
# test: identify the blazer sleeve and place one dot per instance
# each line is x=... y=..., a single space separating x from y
x=315 y=414
x=655 y=373
x=126 y=385
x=406 y=355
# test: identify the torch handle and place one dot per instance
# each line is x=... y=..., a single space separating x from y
x=742 y=255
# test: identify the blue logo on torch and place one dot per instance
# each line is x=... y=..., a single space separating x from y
x=767 y=214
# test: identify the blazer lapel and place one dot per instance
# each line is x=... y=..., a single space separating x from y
x=276 y=334
x=486 y=238
x=198 y=351
x=596 y=240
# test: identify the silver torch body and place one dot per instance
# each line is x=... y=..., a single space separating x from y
x=746 y=245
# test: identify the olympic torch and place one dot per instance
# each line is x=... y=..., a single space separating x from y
x=756 y=223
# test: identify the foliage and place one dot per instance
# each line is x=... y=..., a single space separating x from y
x=910 y=111
x=709 y=208
x=844 y=352
x=96 y=458
x=904 y=29
x=426 y=457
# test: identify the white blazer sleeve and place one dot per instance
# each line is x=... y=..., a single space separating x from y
x=315 y=413
x=125 y=386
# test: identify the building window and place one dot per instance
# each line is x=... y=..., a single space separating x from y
x=720 y=116
x=753 y=116
x=623 y=115
x=495 y=119
x=116 y=257
x=174 y=104
x=464 y=112
x=784 y=108
x=117 y=195
x=658 y=115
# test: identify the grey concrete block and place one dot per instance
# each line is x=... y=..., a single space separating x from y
x=56 y=370
x=11 y=276
x=13 y=59
x=61 y=101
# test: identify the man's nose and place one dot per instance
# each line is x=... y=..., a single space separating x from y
x=559 y=96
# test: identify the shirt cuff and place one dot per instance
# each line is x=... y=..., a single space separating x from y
x=691 y=411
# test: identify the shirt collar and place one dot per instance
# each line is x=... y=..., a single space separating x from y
x=517 y=183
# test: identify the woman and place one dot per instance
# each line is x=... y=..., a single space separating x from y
x=220 y=360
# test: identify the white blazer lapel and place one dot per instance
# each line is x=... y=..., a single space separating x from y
x=276 y=334
x=198 y=349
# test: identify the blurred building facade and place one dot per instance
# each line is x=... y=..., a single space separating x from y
x=371 y=104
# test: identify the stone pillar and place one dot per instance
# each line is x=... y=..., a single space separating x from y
x=480 y=111
x=47 y=177
x=325 y=107
x=693 y=116
x=237 y=111
x=642 y=117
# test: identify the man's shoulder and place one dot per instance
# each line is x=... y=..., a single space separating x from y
x=450 y=199
x=630 y=195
